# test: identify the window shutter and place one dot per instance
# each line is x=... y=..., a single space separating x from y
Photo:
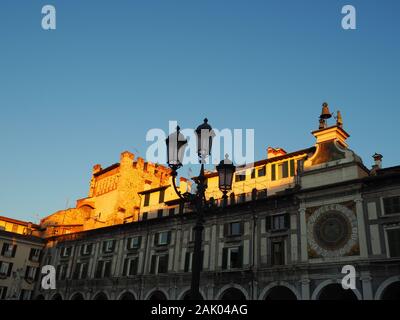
x=287 y=220
x=162 y=195
x=285 y=169
x=242 y=228
x=10 y=266
x=153 y=264
x=240 y=264
x=254 y=194
x=76 y=271
x=107 y=269
x=224 y=258
x=14 y=250
x=125 y=269
x=273 y=174
x=166 y=262
x=292 y=172
x=156 y=236
x=139 y=241
x=113 y=245
x=31 y=254
x=99 y=268
x=85 y=268
x=134 y=266
x=169 y=237
x=226 y=229
x=26 y=272
x=104 y=246
x=187 y=260
x=82 y=250
x=268 y=223
x=3 y=249
x=41 y=253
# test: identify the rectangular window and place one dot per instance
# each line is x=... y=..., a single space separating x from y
x=253 y=173
x=262 y=171
x=86 y=249
x=30 y=273
x=162 y=238
x=283 y=170
x=233 y=229
x=103 y=269
x=130 y=266
x=232 y=258
x=146 y=200
x=65 y=252
x=240 y=176
x=163 y=264
x=61 y=273
x=81 y=270
x=144 y=216
x=3 y=293
x=171 y=212
x=189 y=261
x=25 y=295
x=162 y=196
x=35 y=255
x=391 y=205
x=393 y=237
x=134 y=242
x=160 y=213
x=277 y=253
x=277 y=222
x=159 y=264
x=9 y=250
x=5 y=269
x=108 y=246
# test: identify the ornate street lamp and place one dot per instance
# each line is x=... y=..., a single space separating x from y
x=176 y=144
x=225 y=170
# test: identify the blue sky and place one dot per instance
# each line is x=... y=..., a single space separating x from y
x=112 y=70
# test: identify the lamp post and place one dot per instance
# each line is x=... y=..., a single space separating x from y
x=176 y=144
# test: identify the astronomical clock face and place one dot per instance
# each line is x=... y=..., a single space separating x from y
x=332 y=231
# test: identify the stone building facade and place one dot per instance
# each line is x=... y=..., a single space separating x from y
x=292 y=222
x=20 y=254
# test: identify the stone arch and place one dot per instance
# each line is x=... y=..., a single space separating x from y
x=267 y=290
x=127 y=295
x=161 y=292
x=225 y=288
x=77 y=296
x=57 y=296
x=319 y=289
x=100 y=295
x=384 y=285
x=186 y=291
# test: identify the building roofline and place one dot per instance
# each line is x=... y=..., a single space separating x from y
x=22 y=236
x=20 y=222
x=109 y=168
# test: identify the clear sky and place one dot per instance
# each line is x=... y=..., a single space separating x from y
x=112 y=70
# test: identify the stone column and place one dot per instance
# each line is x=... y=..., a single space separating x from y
x=366 y=286
x=305 y=289
x=361 y=227
x=303 y=233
